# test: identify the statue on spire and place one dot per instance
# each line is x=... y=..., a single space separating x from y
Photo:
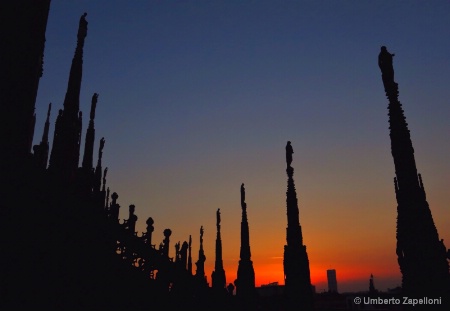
x=244 y=205
x=289 y=152
x=82 y=27
x=385 y=62
x=218 y=218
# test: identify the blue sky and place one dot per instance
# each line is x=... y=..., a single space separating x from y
x=197 y=97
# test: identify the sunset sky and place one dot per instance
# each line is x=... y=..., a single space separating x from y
x=197 y=97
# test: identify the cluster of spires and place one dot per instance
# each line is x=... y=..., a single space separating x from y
x=63 y=162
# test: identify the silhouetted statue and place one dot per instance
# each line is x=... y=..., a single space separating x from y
x=242 y=194
x=183 y=254
x=132 y=219
x=289 y=152
x=218 y=218
x=385 y=62
x=115 y=207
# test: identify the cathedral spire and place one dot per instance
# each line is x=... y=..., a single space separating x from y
x=90 y=138
x=98 y=169
x=200 y=272
x=218 y=275
x=421 y=255
x=65 y=153
x=297 y=281
x=245 y=282
x=41 y=150
x=47 y=125
x=189 y=265
x=72 y=99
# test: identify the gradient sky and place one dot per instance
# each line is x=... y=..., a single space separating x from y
x=197 y=97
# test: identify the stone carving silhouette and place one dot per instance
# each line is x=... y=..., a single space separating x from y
x=218 y=218
x=289 y=152
x=184 y=255
x=385 y=62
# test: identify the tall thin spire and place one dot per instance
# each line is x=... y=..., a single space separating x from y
x=200 y=272
x=297 y=281
x=245 y=282
x=41 y=150
x=421 y=255
x=72 y=99
x=98 y=169
x=65 y=153
x=218 y=275
x=90 y=138
x=189 y=265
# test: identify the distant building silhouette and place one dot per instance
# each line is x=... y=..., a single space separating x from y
x=245 y=282
x=372 y=289
x=421 y=255
x=297 y=278
x=332 y=281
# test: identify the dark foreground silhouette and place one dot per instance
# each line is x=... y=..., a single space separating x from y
x=64 y=247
